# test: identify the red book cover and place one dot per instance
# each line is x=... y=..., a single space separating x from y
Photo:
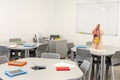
x=62 y=68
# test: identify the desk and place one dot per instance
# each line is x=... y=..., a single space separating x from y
x=49 y=73
x=21 y=47
x=109 y=50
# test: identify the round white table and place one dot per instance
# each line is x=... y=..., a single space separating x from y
x=49 y=73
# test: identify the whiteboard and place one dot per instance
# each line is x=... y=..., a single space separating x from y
x=91 y=14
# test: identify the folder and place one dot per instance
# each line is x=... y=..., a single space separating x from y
x=17 y=63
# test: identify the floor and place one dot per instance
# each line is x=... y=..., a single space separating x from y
x=116 y=70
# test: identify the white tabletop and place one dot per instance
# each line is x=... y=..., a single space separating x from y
x=108 y=50
x=21 y=47
x=49 y=73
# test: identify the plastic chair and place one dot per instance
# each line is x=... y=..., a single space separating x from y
x=85 y=67
x=89 y=43
x=4 y=51
x=16 y=40
x=42 y=48
x=69 y=46
x=50 y=55
x=3 y=59
x=112 y=61
x=84 y=54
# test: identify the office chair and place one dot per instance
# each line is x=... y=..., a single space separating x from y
x=50 y=55
x=112 y=61
x=84 y=54
x=89 y=43
x=85 y=67
x=42 y=48
x=16 y=40
x=69 y=46
x=4 y=51
x=3 y=59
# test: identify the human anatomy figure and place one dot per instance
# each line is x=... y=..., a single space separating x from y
x=97 y=38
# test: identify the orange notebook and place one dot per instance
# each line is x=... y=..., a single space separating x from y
x=17 y=63
x=62 y=68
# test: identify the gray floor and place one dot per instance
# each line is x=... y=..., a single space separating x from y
x=116 y=70
x=116 y=73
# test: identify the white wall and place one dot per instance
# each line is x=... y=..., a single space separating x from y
x=66 y=23
x=23 y=18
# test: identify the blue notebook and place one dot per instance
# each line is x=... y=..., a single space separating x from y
x=29 y=44
x=81 y=46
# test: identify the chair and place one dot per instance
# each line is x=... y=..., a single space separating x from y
x=58 y=46
x=50 y=55
x=85 y=67
x=16 y=40
x=4 y=51
x=115 y=58
x=84 y=54
x=112 y=61
x=89 y=43
x=3 y=59
x=42 y=48
x=69 y=46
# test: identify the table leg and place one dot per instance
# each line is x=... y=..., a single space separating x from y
x=27 y=53
x=102 y=76
x=72 y=55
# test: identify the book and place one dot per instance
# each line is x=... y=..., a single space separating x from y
x=16 y=72
x=64 y=68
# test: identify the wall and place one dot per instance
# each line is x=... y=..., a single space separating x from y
x=23 y=18
x=66 y=23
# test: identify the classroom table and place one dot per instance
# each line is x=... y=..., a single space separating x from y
x=26 y=49
x=108 y=51
x=50 y=73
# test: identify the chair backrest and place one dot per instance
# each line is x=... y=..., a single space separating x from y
x=50 y=55
x=70 y=45
x=89 y=43
x=61 y=48
x=83 y=54
x=4 y=51
x=85 y=66
x=3 y=59
x=16 y=40
x=115 y=59
x=42 y=48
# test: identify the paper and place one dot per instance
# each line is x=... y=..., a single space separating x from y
x=12 y=46
x=61 y=64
